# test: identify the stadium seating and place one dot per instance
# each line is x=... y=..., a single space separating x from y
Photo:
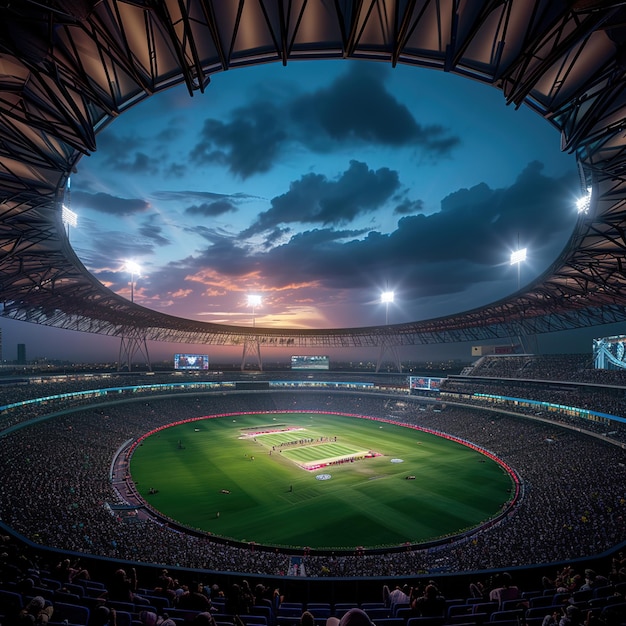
x=73 y=613
x=426 y=621
x=320 y=610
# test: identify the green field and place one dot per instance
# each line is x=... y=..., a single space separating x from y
x=237 y=467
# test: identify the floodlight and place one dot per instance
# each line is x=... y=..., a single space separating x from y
x=386 y=297
x=132 y=267
x=253 y=300
x=583 y=204
x=135 y=270
x=518 y=256
x=68 y=217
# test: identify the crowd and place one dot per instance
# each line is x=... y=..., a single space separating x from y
x=60 y=493
x=36 y=592
x=609 y=402
x=571 y=367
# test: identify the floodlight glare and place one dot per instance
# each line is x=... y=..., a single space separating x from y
x=387 y=297
x=68 y=217
x=518 y=256
x=254 y=300
x=583 y=204
x=132 y=267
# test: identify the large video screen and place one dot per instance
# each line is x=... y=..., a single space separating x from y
x=310 y=363
x=191 y=361
x=425 y=383
x=609 y=353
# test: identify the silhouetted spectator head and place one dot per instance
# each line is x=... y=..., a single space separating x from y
x=204 y=619
x=353 y=617
x=307 y=619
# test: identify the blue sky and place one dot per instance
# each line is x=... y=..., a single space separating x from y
x=318 y=185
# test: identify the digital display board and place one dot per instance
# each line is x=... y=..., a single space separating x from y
x=191 y=361
x=610 y=352
x=310 y=363
x=425 y=383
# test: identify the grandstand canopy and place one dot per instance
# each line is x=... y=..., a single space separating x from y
x=68 y=67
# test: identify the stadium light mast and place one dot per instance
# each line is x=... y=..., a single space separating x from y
x=135 y=270
x=386 y=341
x=133 y=341
x=387 y=297
x=252 y=344
x=517 y=258
x=254 y=300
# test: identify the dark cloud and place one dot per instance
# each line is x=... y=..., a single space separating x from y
x=224 y=258
x=111 y=205
x=466 y=243
x=314 y=199
x=200 y=196
x=409 y=207
x=210 y=234
x=124 y=153
x=355 y=110
x=153 y=232
x=458 y=255
x=211 y=209
x=140 y=163
x=271 y=238
x=175 y=170
x=247 y=145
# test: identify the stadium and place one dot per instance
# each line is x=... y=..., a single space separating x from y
x=68 y=68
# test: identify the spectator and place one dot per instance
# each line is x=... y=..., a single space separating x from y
x=505 y=591
x=353 y=617
x=593 y=581
x=307 y=619
x=103 y=616
x=123 y=587
x=194 y=599
x=430 y=604
x=572 y=616
x=36 y=612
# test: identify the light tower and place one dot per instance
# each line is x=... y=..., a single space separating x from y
x=252 y=344
x=386 y=340
x=135 y=270
x=133 y=339
x=254 y=300
x=387 y=297
x=517 y=258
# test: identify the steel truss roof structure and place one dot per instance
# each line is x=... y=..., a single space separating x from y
x=67 y=67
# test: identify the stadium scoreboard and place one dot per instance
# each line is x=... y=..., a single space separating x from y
x=191 y=361
x=424 y=383
x=310 y=363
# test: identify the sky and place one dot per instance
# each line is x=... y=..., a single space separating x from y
x=317 y=186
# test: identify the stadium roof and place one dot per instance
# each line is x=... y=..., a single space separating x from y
x=68 y=67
